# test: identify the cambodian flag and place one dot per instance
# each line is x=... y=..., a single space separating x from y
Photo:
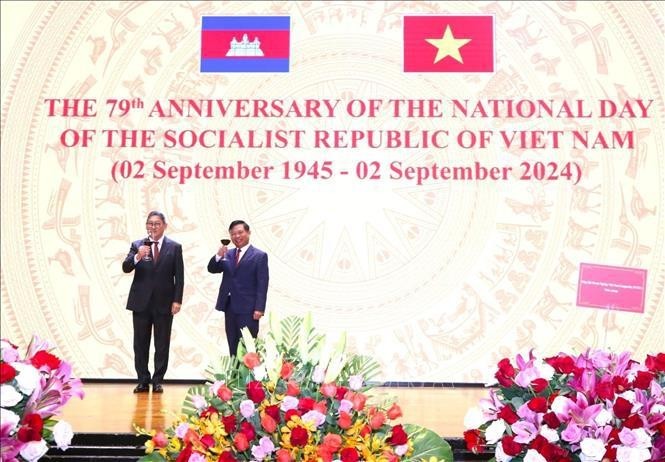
x=449 y=43
x=245 y=43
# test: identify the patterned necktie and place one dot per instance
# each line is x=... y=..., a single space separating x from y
x=155 y=254
x=237 y=256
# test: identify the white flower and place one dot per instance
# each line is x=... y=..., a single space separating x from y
x=8 y=417
x=260 y=372
x=626 y=454
x=214 y=388
x=401 y=450
x=533 y=456
x=318 y=374
x=501 y=456
x=34 y=450
x=9 y=397
x=28 y=377
x=559 y=405
x=592 y=449
x=603 y=418
x=199 y=402
x=628 y=395
x=62 y=434
x=546 y=371
x=8 y=352
x=288 y=403
x=355 y=382
x=549 y=434
x=474 y=418
x=637 y=438
x=495 y=431
x=658 y=409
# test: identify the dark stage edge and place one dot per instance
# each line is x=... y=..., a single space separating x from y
x=129 y=447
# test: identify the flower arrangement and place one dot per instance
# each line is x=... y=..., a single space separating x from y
x=597 y=406
x=32 y=392
x=292 y=397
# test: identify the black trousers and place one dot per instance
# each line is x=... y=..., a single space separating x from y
x=145 y=323
x=233 y=322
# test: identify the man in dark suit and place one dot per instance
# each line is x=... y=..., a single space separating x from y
x=155 y=296
x=244 y=287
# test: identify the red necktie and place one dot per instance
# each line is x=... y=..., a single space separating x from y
x=155 y=254
x=237 y=256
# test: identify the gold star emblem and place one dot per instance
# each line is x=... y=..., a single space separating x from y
x=448 y=45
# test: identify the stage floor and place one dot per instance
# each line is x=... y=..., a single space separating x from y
x=113 y=408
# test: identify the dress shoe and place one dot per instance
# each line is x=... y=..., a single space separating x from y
x=142 y=388
x=157 y=388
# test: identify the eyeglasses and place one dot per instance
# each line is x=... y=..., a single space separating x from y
x=153 y=224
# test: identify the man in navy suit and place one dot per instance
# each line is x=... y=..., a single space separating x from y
x=244 y=288
x=154 y=297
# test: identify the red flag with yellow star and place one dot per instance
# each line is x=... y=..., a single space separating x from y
x=449 y=43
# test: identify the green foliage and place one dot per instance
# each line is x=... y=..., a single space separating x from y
x=427 y=444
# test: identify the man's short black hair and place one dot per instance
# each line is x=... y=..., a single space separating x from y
x=238 y=222
x=155 y=213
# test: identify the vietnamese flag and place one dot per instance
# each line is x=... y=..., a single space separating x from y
x=449 y=43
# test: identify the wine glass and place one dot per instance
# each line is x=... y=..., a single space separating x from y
x=225 y=242
x=147 y=241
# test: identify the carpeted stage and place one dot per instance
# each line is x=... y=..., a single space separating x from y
x=104 y=421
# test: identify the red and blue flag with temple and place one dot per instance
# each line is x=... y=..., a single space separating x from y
x=245 y=43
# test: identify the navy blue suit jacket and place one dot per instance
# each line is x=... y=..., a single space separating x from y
x=247 y=284
x=162 y=282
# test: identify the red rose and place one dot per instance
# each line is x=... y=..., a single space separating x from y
x=366 y=430
x=474 y=441
x=622 y=408
x=510 y=447
x=506 y=373
x=306 y=404
x=620 y=384
x=207 y=440
x=551 y=420
x=377 y=420
x=248 y=430
x=643 y=380
x=185 y=454
x=344 y=420
x=540 y=444
x=209 y=411
x=398 y=436
x=44 y=358
x=255 y=391
x=506 y=413
x=224 y=393
x=329 y=390
x=349 y=455
x=283 y=456
x=273 y=411
x=240 y=442
x=31 y=428
x=226 y=456
x=341 y=391
x=290 y=413
x=287 y=370
x=537 y=404
x=268 y=423
x=539 y=385
x=7 y=372
x=292 y=388
x=332 y=442
x=251 y=360
x=229 y=422
x=605 y=390
x=394 y=412
x=633 y=422
x=299 y=436
x=656 y=363
x=610 y=453
x=561 y=363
